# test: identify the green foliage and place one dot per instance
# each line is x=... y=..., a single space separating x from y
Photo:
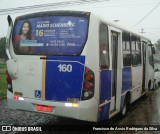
x=3 y=66
x=2 y=48
x=3 y=83
x=158 y=45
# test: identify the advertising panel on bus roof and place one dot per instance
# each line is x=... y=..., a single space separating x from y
x=51 y=35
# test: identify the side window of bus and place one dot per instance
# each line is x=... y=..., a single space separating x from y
x=151 y=61
x=126 y=49
x=104 y=46
x=136 y=50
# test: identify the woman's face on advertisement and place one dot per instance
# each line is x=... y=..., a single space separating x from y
x=25 y=28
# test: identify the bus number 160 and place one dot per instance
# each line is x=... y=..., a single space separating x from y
x=65 y=68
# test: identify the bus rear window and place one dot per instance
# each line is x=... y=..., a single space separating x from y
x=51 y=35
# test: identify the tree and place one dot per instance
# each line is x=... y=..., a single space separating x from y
x=157 y=44
x=2 y=48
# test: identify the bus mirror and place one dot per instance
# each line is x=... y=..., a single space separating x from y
x=8 y=37
x=9 y=20
x=153 y=50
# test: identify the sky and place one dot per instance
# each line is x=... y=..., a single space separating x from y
x=132 y=14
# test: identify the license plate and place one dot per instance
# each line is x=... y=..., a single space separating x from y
x=43 y=108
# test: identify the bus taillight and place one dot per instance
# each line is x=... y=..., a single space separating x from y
x=9 y=79
x=9 y=82
x=88 y=84
x=89 y=77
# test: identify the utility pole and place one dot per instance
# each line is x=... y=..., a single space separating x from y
x=142 y=32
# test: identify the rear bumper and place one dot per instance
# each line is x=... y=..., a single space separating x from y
x=87 y=110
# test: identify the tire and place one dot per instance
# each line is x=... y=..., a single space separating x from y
x=155 y=85
x=124 y=108
x=149 y=86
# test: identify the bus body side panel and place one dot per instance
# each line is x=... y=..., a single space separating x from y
x=105 y=95
x=64 y=77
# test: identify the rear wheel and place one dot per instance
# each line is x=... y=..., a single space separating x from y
x=149 y=85
x=155 y=85
x=125 y=107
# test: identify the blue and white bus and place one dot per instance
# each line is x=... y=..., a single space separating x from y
x=75 y=64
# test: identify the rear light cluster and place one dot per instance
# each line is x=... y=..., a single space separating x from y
x=9 y=82
x=88 y=84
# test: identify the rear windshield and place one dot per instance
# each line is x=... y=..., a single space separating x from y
x=51 y=35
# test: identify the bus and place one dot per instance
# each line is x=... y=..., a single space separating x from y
x=75 y=64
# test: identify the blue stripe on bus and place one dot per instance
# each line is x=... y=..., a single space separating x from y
x=59 y=85
x=126 y=79
x=105 y=93
x=104 y=115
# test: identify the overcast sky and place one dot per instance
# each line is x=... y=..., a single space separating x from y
x=128 y=12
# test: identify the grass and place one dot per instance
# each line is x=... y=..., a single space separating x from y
x=3 y=66
x=3 y=83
